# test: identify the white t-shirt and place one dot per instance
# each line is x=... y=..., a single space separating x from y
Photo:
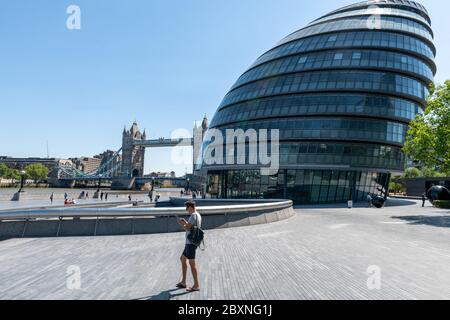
x=196 y=220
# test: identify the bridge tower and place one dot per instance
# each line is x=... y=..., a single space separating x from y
x=133 y=156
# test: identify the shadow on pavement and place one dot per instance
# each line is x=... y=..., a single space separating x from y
x=165 y=295
x=437 y=221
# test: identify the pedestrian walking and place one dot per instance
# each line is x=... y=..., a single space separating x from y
x=424 y=199
x=106 y=196
x=369 y=200
x=101 y=196
x=150 y=195
x=189 y=253
x=66 y=196
x=51 y=198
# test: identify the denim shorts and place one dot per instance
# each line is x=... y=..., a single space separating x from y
x=189 y=251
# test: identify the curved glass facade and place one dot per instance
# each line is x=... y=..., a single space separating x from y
x=341 y=93
x=354 y=59
x=353 y=39
x=329 y=128
x=369 y=81
x=302 y=186
x=363 y=105
x=387 y=23
x=374 y=11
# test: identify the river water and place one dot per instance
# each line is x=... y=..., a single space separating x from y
x=40 y=197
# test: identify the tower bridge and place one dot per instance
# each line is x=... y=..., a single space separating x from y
x=126 y=166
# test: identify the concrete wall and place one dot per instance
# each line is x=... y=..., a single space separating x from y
x=69 y=227
x=416 y=187
x=123 y=183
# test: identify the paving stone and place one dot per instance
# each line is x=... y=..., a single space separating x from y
x=320 y=253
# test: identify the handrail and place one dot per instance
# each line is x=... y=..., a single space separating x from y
x=127 y=212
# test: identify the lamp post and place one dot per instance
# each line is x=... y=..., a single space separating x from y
x=188 y=185
x=22 y=180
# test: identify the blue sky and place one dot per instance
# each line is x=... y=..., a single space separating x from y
x=163 y=63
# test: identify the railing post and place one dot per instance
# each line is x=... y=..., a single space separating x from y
x=59 y=226
x=95 y=229
x=24 y=228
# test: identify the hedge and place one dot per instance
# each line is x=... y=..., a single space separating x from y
x=443 y=204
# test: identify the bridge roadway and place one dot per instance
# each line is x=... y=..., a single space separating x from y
x=163 y=143
x=321 y=253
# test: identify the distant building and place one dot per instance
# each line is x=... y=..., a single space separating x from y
x=133 y=156
x=86 y=164
x=110 y=162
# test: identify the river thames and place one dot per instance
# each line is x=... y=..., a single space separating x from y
x=41 y=196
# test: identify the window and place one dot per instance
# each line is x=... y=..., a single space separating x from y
x=302 y=59
x=332 y=38
x=338 y=56
x=356 y=55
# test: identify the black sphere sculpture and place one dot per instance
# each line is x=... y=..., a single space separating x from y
x=378 y=202
x=438 y=193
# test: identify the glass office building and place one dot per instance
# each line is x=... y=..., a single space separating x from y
x=342 y=92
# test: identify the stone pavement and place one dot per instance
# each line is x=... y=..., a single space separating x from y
x=322 y=253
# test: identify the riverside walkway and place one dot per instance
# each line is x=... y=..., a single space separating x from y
x=321 y=253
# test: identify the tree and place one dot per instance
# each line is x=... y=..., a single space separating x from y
x=428 y=172
x=3 y=170
x=412 y=173
x=36 y=172
x=8 y=173
x=428 y=139
x=396 y=187
x=13 y=174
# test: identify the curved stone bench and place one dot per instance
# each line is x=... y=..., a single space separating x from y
x=67 y=222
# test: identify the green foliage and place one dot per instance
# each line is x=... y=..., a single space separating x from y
x=3 y=170
x=14 y=174
x=428 y=172
x=443 y=204
x=36 y=172
x=428 y=139
x=7 y=173
x=412 y=173
x=396 y=187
